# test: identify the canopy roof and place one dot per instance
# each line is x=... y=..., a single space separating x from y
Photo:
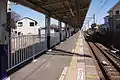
x=72 y=12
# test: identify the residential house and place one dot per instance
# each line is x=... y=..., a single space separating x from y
x=105 y=28
x=102 y=29
x=114 y=21
x=106 y=22
x=27 y=26
x=114 y=18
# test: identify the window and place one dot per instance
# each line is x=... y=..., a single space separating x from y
x=19 y=33
x=20 y=24
x=117 y=12
x=118 y=26
x=31 y=23
x=15 y=32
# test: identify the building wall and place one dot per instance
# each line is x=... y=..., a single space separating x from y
x=113 y=11
x=106 y=20
x=114 y=19
x=116 y=23
x=26 y=29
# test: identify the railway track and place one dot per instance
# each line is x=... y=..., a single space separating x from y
x=114 y=58
x=109 y=64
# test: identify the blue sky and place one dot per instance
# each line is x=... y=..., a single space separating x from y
x=100 y=10
x=97 y=7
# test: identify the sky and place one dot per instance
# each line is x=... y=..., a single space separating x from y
x=99 y=7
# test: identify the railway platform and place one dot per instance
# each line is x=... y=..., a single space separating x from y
x=69 y=60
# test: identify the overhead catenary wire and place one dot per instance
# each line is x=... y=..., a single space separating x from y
x=100 y=3
x=102 y=6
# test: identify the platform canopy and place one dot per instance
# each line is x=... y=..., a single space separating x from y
x=72 y=12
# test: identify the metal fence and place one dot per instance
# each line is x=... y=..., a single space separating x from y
x=63 y=35
x=23 y=48
x=54 y=39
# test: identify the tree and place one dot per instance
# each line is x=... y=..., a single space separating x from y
x=14 y=17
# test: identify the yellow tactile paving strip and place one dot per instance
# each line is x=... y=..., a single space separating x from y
x=77 y=70
x=72 y=70
x=71 y=75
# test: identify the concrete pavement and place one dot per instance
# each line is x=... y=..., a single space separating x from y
x=50 y=65
x=82 y=66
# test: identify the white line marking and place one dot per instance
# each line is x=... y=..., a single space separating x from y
x=8 y=78
x=48 y=65
x=62 y=77
x=81 y=50
x=43 y=60
x=72 y=50
x=35 y=60
x=80 y=74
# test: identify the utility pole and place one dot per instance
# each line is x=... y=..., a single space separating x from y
x=88 y=24
x=94 y=18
